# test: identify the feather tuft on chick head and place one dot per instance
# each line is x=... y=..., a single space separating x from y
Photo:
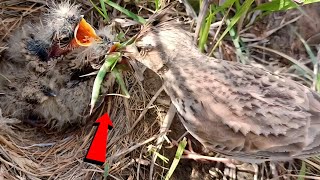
x=62 y=19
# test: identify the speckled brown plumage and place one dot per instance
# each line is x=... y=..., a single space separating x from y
x=243 y=112
x=56 y=96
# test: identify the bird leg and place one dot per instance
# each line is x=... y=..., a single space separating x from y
x=190 y=154
x=228 y=162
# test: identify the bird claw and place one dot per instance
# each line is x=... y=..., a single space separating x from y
x=190 y=154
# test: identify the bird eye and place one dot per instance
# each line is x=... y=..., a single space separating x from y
x=72 y=20
x=64 y=35
x=31 y=36
x=65 y=39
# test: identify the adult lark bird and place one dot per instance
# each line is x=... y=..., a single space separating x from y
x=243 y=112
x=41 y=81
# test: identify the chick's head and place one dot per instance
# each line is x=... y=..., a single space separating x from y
x=62 y=19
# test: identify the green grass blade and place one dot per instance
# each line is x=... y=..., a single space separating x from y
x=99 y=10
x=276 y=5
x=226 y=5
x=106 y=171
x=109 y=62
x=205 y=32
x=104 y=10
x=280 y=5
x=162 y=157
x=157 y=3
x=318 y=82
x=302 y=172
x=126 y=12
x=121 y=37
x=316 y=79
x=238 y=5
x=308 y=49
x=244 y=8
x=153 y=150
x=128 y=42
x=236 y=42
x=116 y=73
x=96 y=86
x=175 y=162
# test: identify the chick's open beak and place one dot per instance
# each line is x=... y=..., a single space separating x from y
x=84 y=34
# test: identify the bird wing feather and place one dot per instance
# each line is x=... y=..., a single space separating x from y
x=230 y=106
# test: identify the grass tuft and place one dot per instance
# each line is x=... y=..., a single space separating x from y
x=104 y=10
x=130 y=14
x=103 y=14
x=182 y=145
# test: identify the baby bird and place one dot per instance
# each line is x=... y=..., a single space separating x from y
x=245 y=113
x=40 y=81
x=50 y=38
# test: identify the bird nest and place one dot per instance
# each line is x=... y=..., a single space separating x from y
x=39 y=153
x=35 y=153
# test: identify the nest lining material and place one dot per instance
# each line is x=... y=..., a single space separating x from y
x=32 y=153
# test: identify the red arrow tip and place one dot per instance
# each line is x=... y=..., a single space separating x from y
x=97 y=150
x=105 y=120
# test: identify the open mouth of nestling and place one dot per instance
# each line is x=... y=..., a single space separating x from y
x=84 y=34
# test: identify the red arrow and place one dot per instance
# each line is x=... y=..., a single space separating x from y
x=98 y=148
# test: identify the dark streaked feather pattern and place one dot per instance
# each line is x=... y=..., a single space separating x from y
x=247 y=113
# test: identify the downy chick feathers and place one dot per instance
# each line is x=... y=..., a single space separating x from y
x=40 y=80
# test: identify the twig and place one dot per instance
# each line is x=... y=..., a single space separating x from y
x=302 y=66
x=139 y=166
x=270 y=32
x=316 y=71
x=183 y=135
x=189 y=9
x=134 y=147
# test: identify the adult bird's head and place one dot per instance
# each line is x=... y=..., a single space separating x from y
x=160 y=42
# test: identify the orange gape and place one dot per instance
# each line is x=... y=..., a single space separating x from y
x=84 y=34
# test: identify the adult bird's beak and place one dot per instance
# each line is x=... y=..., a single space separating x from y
x=84 y=34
